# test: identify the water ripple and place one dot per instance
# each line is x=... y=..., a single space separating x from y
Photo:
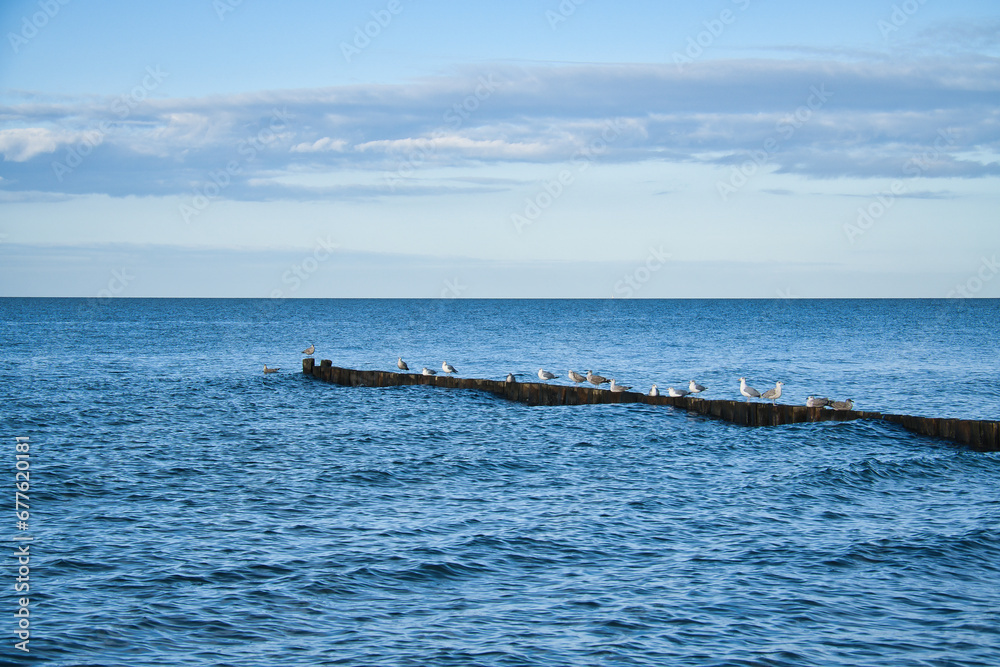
x=189 y=511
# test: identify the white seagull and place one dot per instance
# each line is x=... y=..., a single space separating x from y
x=677 y=393
x=817 y=402
x=747 y=390
x=618 y=388
x=843 y=405
x=447 y=368
x=309 y=350
x=576 y=377
x=654 y=391
x=428 y=371
x=270 y=370
x=545 y=375
x=596 y=380
x=401 y=365
x=510 y=377
x=695 y=388
x=773 y=394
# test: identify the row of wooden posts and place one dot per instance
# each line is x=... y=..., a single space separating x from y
x=977 y=435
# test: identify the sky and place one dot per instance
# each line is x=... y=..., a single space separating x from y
x=552 y=149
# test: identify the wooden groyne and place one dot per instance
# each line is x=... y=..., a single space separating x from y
x=983 y=436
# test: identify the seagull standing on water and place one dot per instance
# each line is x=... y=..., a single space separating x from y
x=817 y=402
x=576 y=377
x=695 y=388
x=617 y=388
x=677 y=393
x=309 y=350
x=773 y=394
x=843 y=405
x=545 y=375
x=596 y=380
x=270 y=370
x=747 y=390
x=654 y=391
x=428 y=371
x=447 y=368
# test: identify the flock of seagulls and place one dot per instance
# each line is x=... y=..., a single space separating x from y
x=597 y=380
x=820 y=402
x=445 y=366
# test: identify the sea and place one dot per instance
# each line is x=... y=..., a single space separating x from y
x=184 y=508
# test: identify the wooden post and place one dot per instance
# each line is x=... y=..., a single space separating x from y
x=978 y=435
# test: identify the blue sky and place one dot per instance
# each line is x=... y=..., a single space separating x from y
x=743 y=148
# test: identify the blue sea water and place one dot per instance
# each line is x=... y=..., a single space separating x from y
x=186 y=509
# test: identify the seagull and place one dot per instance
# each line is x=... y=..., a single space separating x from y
x=270 y=370
x=677 y=393
x=695 y=388
x=309 y=350
x=817 y=402
x=447 y=368
x=596 y=380
x=654 y=391
x=428 y=371
x=576 y=377
x=401 y=365
x=773 y=394
x=510 y=377
x=545 y=375
x=617 y=388
x=747 y=390
x=843 y=405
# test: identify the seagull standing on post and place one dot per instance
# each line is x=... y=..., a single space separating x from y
x=773 y=394
x=747 y=390
x=576 y=377
x=447 y=368
x=309 y=350
x=677 y=393
x=654 y=391
x=596 y=380
x=545 y=375
x=401 y=365
x=695 y=388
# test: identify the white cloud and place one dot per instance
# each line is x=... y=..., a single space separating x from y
x=22 y=144
x=878 y=115
x=320 y=145
x=472 y=148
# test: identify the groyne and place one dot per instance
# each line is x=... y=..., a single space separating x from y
x=983 y=436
